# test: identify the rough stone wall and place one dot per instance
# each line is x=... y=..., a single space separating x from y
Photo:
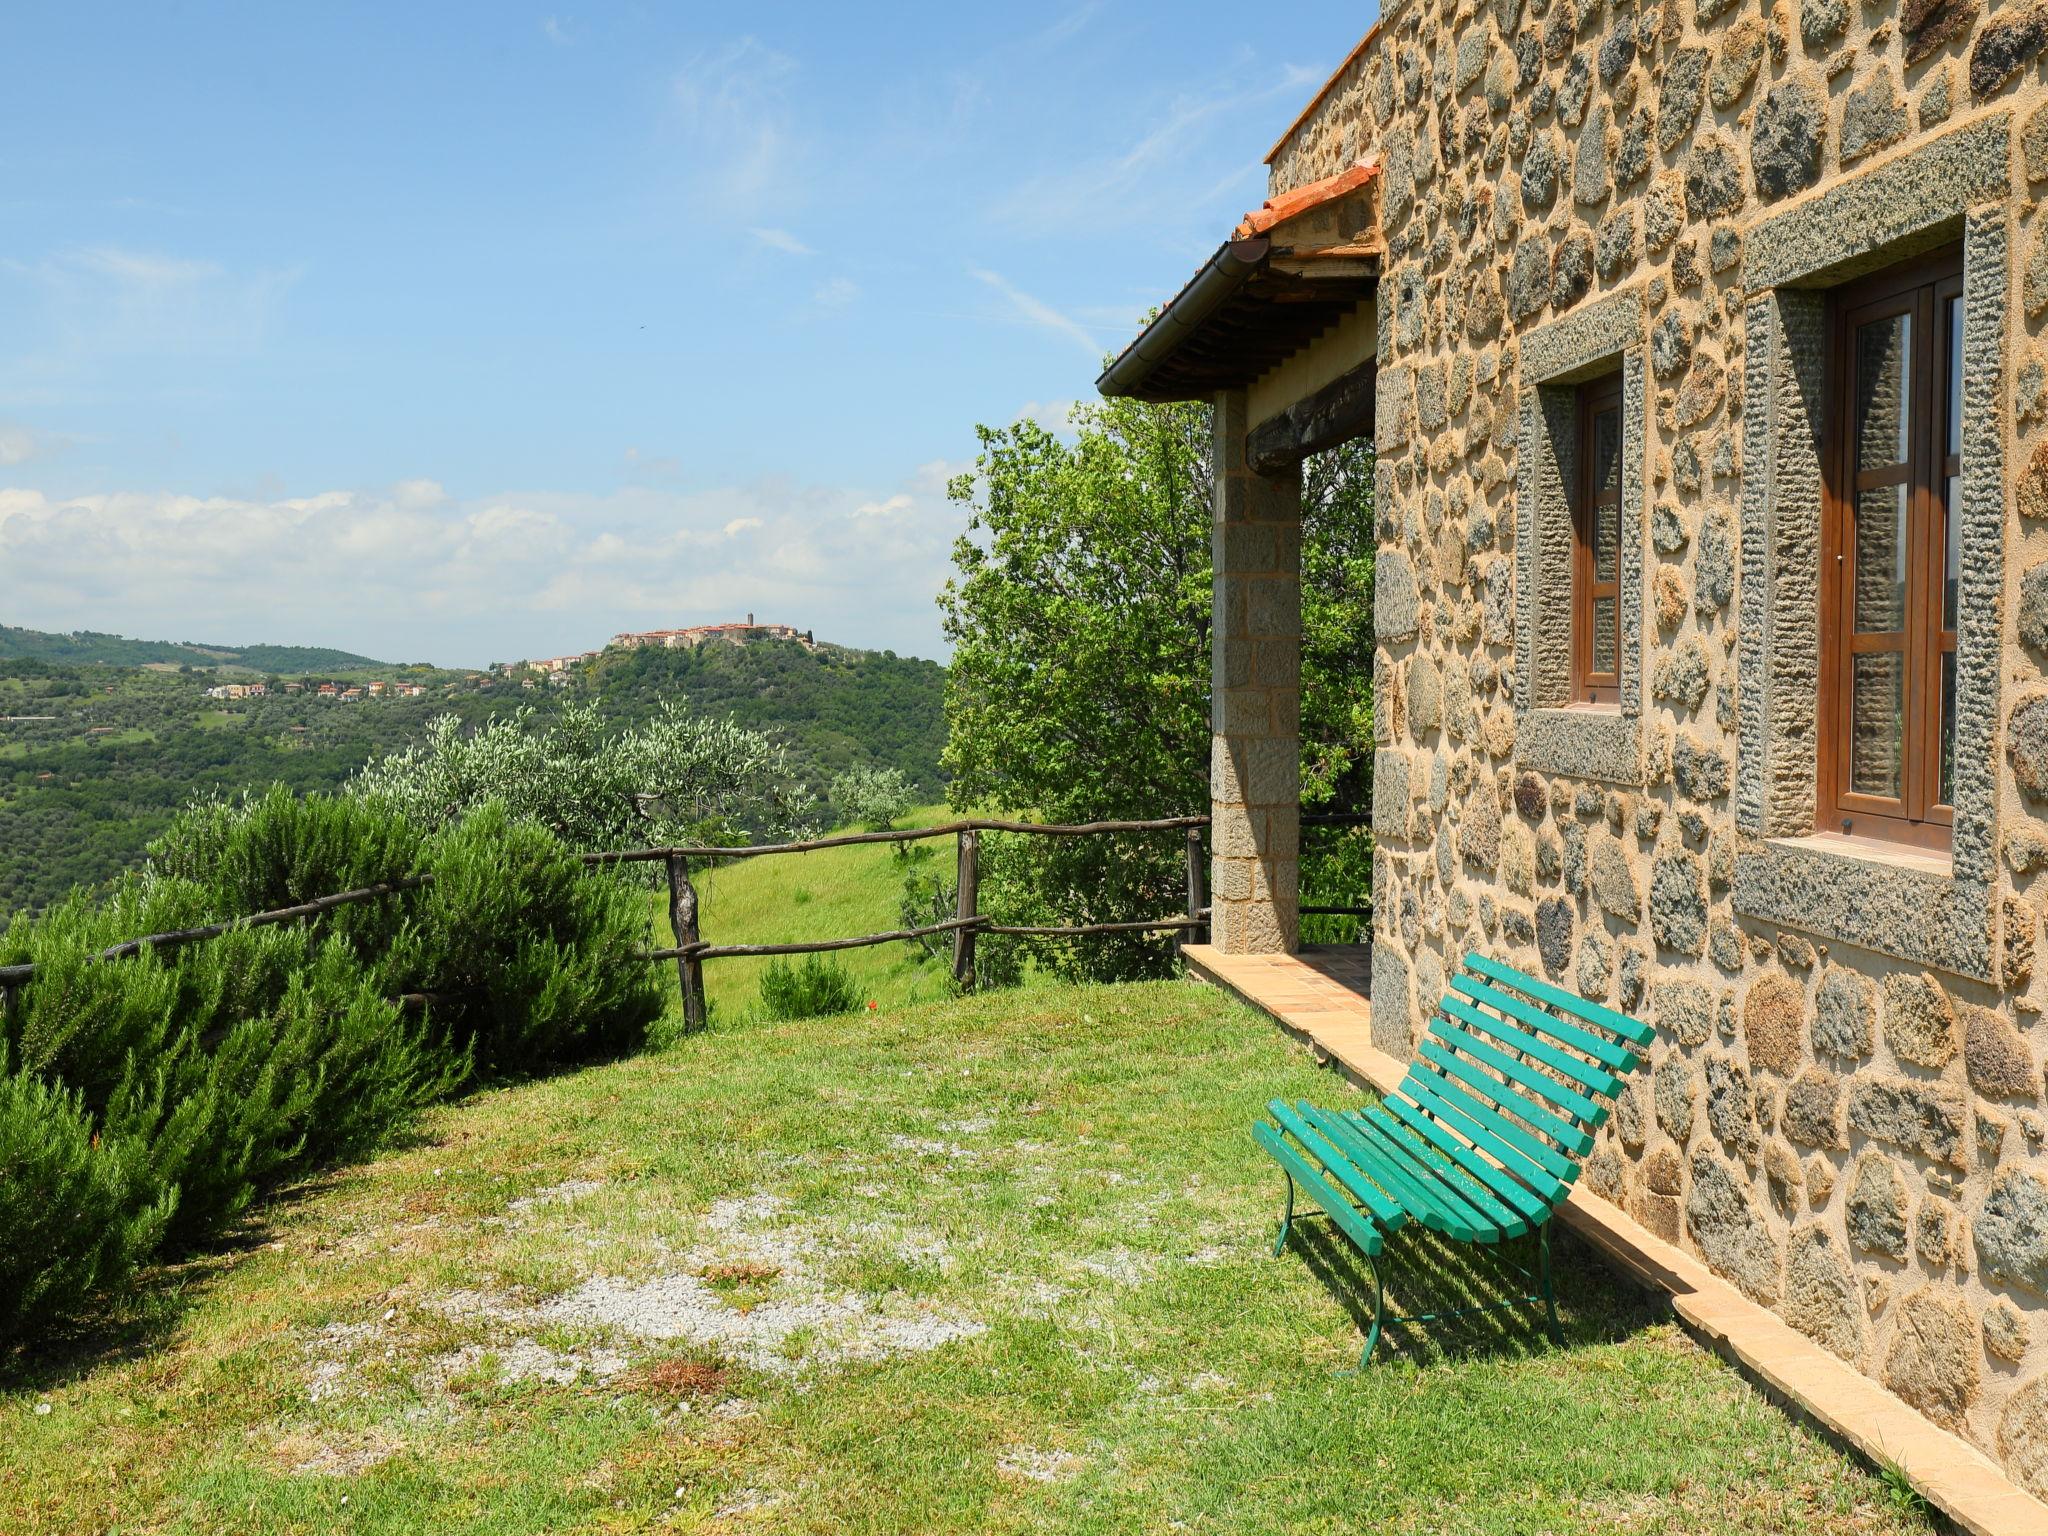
x=1854 y=1138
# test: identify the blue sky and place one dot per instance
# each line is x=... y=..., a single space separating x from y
x=466 y=331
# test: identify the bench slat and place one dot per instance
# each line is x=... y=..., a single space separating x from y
x=1412 y=1203
x=1603 y=1050
x=1340 y=1210
x=1493 y=1091
x=1448 y=1208
x=1339 y=1165
x=1502 y=1219
x=1525 y=1156
x=1593 y=1079
x=1578 y=1007
x=1580 y=1107
x=1416 y=1190
x=1511 y=1192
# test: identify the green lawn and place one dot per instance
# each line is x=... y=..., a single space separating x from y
x=834 y=893
x=996 y=1264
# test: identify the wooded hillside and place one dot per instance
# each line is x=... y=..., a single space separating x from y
x=81 y=793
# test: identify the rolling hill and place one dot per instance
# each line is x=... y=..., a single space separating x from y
x=87 y=647
x=97 y=753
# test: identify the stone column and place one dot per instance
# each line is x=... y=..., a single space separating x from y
x=1254 y=699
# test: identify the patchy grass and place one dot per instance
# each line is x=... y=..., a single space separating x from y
x=997 y=1264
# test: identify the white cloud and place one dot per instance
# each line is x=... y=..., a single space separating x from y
x=781 y=240
x=731 y=104
x=836 y=293
x=1155 y=180
x=556 y=31
x=108 y=301
x=1053 y=415
x=1040 y=313
x=413 y=572
x=20 y=443
x=418 y=495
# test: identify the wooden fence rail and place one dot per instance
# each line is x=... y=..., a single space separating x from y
x=690 y=951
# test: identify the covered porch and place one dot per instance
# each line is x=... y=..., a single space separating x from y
x=1277 y=331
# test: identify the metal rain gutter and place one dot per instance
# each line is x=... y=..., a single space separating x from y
x=1206 y=292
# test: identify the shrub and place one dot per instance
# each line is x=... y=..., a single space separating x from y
x=810 y=990
x=538 y=959
x=146 y=1101
x=74 y=1216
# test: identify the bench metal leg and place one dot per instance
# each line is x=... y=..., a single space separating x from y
x=1379 y=1314
x=1544 y=1286
x=1286 y=1217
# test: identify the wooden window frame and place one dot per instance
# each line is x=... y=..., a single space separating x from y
x=1923 y=290
x=1588 y=685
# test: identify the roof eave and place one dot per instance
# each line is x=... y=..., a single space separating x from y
x=1233 y=265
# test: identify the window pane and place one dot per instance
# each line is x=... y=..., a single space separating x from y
x=1948 y=729
x=1955 y=376
x=1607 y=453
x=1883 y=392
x=1880 y=559
x=1606 y=635
x=1952 y=546
x=1877 y=700
x=1606 y=540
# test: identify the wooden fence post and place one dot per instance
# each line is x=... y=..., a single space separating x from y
x=967 y=869
x=1190 y=933
x=682 y=915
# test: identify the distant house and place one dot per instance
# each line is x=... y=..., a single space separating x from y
x=691 y=637
x=294 y=687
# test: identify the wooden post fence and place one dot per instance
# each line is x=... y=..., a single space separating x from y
x=690 y=951
x=968 y=870
x=682 y=916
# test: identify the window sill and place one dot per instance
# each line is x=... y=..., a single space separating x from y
x=1896 y=900
x=1582 y=741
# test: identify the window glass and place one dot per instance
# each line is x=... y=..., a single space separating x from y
x=1884 y=397
x=1948 y=728
x=1877 y=721
x=1892 y=552
x=1605 y=633
x=1881 y=559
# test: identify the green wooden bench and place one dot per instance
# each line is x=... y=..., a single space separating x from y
x=1482 y=1140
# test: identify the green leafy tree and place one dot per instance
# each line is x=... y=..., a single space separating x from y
x=1079 y=619
x=871 y=797
x=677 y=777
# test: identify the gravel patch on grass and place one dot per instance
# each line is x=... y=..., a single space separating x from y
x=790 y=1320
x=1038 y=1466
x=565 y=1193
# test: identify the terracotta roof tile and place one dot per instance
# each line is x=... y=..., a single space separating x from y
x=1314 y=194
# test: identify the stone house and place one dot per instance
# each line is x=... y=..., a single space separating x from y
x=1702 y=347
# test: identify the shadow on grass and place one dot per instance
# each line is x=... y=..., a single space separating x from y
x=145 y=1315
x=1425 y=1273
